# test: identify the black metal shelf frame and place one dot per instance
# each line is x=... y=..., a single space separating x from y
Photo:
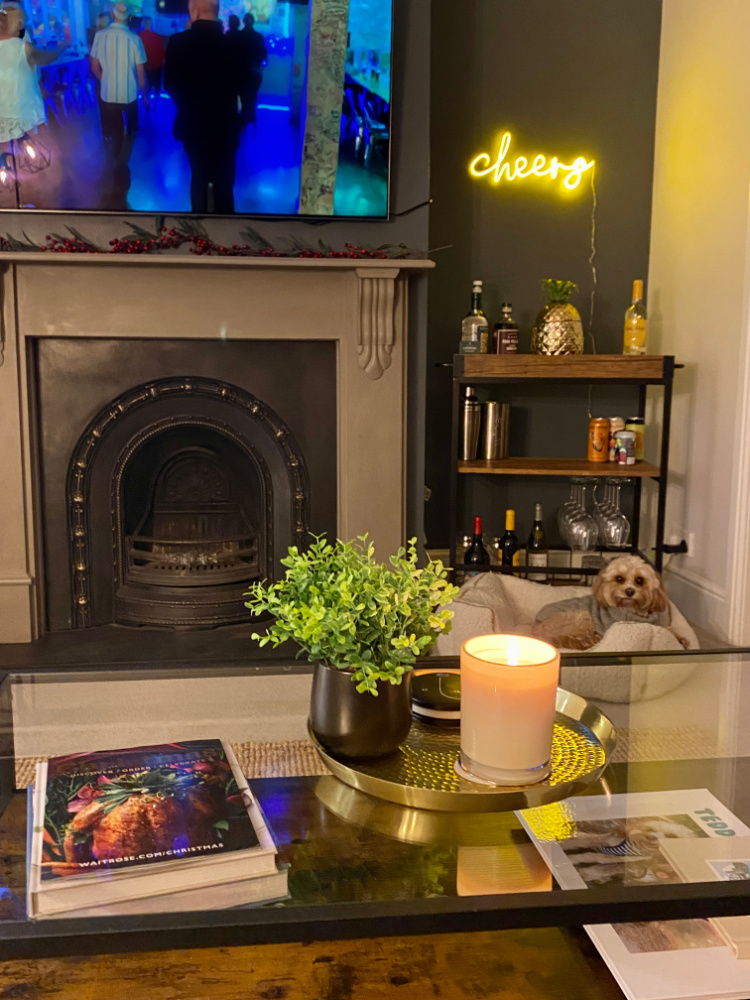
x=666 y=382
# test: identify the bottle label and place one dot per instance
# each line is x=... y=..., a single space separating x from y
x=509 y=342
x=517 y=558
x=635 y=336
x=537 y=559
x=484 y=339
x=470 y=347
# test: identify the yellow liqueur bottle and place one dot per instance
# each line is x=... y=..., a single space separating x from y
x=634 y=341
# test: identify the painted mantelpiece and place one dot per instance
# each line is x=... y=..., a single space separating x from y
x=361 y=305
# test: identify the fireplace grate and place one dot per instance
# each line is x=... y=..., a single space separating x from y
x=162 y=562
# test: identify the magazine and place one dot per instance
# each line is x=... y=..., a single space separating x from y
x=114 y=826
x=616 y=840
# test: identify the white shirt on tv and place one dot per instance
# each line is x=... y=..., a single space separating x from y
x=119 y=51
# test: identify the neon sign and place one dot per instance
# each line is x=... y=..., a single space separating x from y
x=502 y=170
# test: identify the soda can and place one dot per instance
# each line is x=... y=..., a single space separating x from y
x=625 y=447
x=599 y=440
x=615 y=424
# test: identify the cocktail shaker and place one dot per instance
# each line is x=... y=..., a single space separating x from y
x=495 y=432
x=471 y=422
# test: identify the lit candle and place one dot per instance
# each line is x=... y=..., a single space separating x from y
x=508 y=696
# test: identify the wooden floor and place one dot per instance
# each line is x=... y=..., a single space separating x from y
x=512 y=965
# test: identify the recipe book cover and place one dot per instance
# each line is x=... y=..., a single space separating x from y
x=617 y=840
x=116 y=810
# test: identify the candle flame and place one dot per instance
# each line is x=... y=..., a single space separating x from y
x=514 y=652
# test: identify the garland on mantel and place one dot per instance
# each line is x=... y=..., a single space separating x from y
x=193 y=235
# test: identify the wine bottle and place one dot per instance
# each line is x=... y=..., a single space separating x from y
x=537 y=552
x=474 y=328
x=634 y=340
x=476 y=554
x=505 y=334
x=510 y=547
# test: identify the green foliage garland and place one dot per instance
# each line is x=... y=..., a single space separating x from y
x=348 y=611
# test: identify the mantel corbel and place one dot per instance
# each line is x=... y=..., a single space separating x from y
x=377 y=320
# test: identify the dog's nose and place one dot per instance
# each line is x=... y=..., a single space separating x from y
x=630 y=592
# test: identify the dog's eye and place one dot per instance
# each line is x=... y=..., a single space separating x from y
x=639 y=581
x=619 y=579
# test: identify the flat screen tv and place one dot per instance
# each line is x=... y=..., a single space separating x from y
x=243 y=107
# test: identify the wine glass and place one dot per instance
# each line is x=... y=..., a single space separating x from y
x=615 y=525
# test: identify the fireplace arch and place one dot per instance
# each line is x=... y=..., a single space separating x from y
x=179 y=493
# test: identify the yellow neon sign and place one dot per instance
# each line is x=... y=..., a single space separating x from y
x=501 y=169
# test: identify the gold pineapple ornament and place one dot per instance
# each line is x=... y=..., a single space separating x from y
x=558 y=328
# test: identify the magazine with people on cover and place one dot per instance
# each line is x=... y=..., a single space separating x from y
x=617 y=840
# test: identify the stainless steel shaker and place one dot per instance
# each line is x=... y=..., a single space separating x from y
x=495 y=432
x=471 y=422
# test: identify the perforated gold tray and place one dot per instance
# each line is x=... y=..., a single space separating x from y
x=422 y=773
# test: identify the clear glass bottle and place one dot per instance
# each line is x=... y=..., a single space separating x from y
x=634 y=339
x=537 y=550
x=474 y=328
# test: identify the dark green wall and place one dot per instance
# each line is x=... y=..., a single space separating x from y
x=565 y=77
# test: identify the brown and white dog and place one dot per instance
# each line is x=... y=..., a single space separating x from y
x=627 y=589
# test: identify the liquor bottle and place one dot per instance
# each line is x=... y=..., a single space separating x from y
x=476 y=554
x=510 y=547
x=474 y=328
x=537 y=553
x=634 y=341
x=505 y=334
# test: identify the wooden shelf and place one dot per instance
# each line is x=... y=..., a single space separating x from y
x=579 y=367
x=558 y=467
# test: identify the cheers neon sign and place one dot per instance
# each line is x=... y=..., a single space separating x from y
x=501 y=169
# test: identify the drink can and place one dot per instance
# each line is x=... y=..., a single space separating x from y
x=615 y=424
x=625 y=447
x=638 y=426
x=599 y=440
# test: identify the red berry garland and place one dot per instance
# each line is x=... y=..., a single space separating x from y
x=200 y=244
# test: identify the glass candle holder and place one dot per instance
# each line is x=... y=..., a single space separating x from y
x=508 y=698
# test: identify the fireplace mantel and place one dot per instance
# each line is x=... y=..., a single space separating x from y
x=359 y=304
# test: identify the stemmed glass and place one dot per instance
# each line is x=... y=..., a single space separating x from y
x=577 y=527
x=614 y=527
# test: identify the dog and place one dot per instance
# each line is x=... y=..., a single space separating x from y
x=627 y=589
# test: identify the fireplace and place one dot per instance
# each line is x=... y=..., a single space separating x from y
x=179 y=491
x=171 y=425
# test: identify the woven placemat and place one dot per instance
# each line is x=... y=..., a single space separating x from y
x=298 y=758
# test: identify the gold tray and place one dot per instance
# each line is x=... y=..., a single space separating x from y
x=421 y=773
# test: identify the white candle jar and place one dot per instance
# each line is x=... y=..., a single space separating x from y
x=508 y=696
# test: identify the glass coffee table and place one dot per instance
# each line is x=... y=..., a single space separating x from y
x=360 y=867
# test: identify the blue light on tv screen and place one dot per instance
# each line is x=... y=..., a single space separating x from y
x=168 y=106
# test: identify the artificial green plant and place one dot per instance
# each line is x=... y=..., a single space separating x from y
x=347 y=611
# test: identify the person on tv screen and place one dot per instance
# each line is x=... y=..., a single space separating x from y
x=118 y=61
x=256 y=54
x=21 y=103
x=202 y=75
x=154 y=48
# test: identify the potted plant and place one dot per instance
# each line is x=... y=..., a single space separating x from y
x=363 y=624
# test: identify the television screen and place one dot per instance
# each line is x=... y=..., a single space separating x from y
x=252 y=107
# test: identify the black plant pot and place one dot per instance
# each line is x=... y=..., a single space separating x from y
x=358 y=726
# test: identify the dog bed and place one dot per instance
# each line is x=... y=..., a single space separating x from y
x=493 y=602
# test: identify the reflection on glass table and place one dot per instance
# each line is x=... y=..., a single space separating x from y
x=358 y=865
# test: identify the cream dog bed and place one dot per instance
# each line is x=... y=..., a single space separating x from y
x=492 y=602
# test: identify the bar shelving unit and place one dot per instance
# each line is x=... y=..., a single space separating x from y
x=507 y=371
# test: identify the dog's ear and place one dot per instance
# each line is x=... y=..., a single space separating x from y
x=661 y=601
x=597 y=589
